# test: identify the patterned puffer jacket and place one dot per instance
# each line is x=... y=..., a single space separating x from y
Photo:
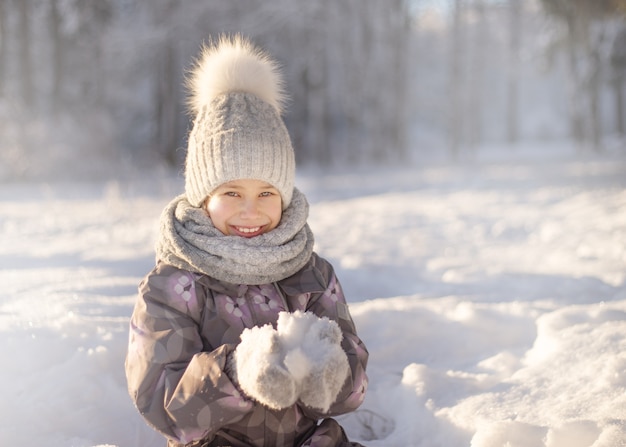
x=184 y=326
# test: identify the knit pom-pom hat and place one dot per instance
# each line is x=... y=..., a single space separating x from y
x=236 y=97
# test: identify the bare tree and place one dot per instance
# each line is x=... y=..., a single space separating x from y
x=514 y=66
x=583 y=42
x=347 y=61
x=118 y=66
x=455 y=82
x=385 y=50
x=480 y=45
x=618 y=63
x=97 y=19
x=316 y=88
x=4 y=34
x=167 y=96
x=400 y=41
x=25 y=45
x=58 y=49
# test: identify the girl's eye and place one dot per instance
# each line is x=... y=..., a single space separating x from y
x=266 y=194
x=231 y=194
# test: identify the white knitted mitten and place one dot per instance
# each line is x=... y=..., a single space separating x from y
x=257 y=367
x=314 y=357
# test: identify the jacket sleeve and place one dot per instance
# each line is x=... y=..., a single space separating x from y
x=332 y=304
x=178 y=386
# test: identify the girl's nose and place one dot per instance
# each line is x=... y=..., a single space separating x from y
x=250 y=209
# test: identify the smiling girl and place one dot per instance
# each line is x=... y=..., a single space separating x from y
x=241 y=335
x=245 y=207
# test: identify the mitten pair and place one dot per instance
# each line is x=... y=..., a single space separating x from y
x=257 y=367
x=301 y=359
x=314 y=357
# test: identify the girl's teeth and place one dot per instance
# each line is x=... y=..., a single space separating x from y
x=249 y=230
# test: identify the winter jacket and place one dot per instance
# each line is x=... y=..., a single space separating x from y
x=182 y=330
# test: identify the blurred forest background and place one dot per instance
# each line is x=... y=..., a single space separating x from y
x=94 y=87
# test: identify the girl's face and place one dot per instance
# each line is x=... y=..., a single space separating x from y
x=245 y=208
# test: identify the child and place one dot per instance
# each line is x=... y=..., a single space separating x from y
x=241 y=335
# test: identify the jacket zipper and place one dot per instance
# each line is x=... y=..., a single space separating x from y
x=282 y=296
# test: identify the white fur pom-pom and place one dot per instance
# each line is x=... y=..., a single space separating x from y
x=234 y=64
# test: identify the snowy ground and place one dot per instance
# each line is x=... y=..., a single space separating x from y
x=492 y=297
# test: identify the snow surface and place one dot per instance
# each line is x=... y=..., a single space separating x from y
x=491 y=295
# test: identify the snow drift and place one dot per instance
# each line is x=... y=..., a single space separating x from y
x=492 y=298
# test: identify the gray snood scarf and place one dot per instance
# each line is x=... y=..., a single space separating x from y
x=189 y=240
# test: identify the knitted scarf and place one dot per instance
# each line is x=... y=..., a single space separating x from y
x=189 y=240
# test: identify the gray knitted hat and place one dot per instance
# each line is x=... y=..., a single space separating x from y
x=236 y=95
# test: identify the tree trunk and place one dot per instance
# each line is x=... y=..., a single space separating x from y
x=25 y=71
x=594 y=87
x=316 y=133
x=618 y=63
x=620 y=119
x=476 y=78
x=401 y=38
x=455 y=113
x=515 y=38
x=4 y=34
x=577 y=121
x=101 y=12
x=57 y=54
x=167 y=100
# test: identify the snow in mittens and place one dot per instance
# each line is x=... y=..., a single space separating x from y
x=491 y=296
